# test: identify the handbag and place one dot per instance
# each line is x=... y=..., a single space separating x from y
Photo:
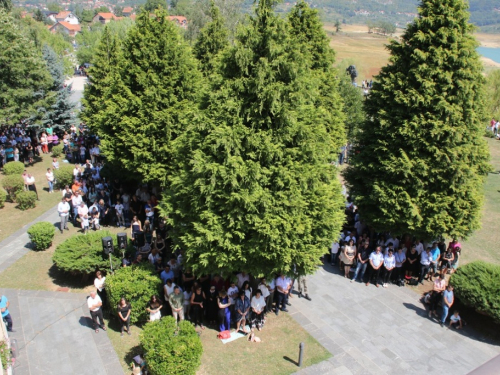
x=224 y=335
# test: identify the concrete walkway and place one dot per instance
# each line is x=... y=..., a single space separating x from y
x=371 y=330
x=55 y=336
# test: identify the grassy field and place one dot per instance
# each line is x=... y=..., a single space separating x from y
x=277 y=354
x=12 y=218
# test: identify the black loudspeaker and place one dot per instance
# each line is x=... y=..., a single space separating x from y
x=140 y=239
x=122 y=240
x=107 y=245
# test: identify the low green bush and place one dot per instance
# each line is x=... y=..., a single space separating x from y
x=13 y=184
x=3 y=197
x=489 y=134
x=13 y=167
x=64 y=176
x=83 y=255
x=26 y=200
x=170 y=349
x=477 y=285
x=57 y=150
x=136 y=284
x=41 y=235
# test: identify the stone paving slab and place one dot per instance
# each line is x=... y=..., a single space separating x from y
x=382 y=331
x=54 y=335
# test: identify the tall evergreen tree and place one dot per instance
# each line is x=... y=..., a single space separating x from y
x=255 y=190
x=212 y=40
x=154 y=91
x=22 y=72
x=6 y=5
x=420 y=159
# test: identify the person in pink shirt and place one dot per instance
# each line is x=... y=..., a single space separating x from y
x=439 y=288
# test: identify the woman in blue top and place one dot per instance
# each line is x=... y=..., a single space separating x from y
x=242 y=307
x=224 y=311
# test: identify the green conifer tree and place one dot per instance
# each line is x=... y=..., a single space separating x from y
x=148 y=99
x=212 y=40
x=23 y=73
x=420 y=160
x=255 y=190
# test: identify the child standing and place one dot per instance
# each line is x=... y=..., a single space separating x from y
x=85 y=223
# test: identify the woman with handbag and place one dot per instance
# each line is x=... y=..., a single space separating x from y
x=347 y=257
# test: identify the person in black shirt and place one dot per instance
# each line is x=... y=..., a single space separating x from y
x=363 y=255
x=124 y=310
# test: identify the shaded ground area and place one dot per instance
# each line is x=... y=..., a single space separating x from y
x=54 y=335
x=373 y=330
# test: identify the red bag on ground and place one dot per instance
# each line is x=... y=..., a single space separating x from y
x=224 y=335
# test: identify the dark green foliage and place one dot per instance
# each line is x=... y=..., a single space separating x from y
x=57 y=150
x=420 y=160
x=64 y=175
x=493 y=94
x=353 y=106
x=152 y=5
x=3 y=197
x=140 y=102
x=54 y=66
x=136 y=284
x=6 y=5
x=489 y=134
x=26 y=200
x=477 y=285
x=22 y=72
x=41 y=235
x=13 y=184
x=212 y=40
x=83 y=255
x=171 y=349
x=13 y=167
x=255 y=188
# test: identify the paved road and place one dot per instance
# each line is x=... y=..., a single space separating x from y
x=78 y=84
x=371 y=330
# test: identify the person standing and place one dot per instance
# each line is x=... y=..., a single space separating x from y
x=99 y=283
x=363 y=258
x=334 y=250
x=425 y=261
x=302 y=280
x=283 y=284
x=439 y=288
x=258 y=305
x=224 y=311
x=197 y=300
x=63 y=209
x=4 y=308
x=50 y=179
x=30 y=181
x=448 y=299
x=347 y=256
x=376 y=261
x=94 y=303
x=176 y=301
x=154 y=309
x=124 y=310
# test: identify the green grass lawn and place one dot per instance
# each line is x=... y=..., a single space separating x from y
x=483 y=244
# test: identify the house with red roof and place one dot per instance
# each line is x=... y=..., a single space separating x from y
x=66 y=16
x=128 y=11
x=65 y=27
x=105 y=18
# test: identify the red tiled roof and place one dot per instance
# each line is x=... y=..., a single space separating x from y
x=68 y=26
x=106 y=16
x=63 y=15
x=128 y=10
x=180 y=19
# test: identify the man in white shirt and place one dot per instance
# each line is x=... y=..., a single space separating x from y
x=425 y=262
x=389 y=264
x=76 y=201
x=242 y=277
x=376 y=261
x=50 y=180
x=119 y=213
x=335 y=251
x=83 y=211
x=63 y=209
x=283 y=284
x=94 y=303
x=419 y=246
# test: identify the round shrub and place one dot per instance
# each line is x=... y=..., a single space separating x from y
x=13 y=167
x=64 y=176
x=41 y=235
x=170 y=349
x=13 y=184
x=57 y=150
x=83 y=255
x=477 y=285
x=137 y=284
x=3 y=197
x=26 y=200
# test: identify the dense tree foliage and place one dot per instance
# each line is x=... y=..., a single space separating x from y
x=152 y=5
x=212 y=40
x=420 y=161
x=255 y=189
x=493 y=94
x=22 y=72
x=149 y=99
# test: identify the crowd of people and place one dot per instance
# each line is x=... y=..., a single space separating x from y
x=383 y=259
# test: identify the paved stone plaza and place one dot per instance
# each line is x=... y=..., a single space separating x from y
x=371 y=330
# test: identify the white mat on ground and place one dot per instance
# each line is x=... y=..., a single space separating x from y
x=236 y=335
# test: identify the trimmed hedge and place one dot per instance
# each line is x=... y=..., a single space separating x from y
x=26 y=200
x=41 y=235
x=64 y=176
x=13 y=167
x=170 y=349
x=57 y=150
x=136 y=284
x=83 y=255
x=477 y=285
x=3 y=197
x=13 y=184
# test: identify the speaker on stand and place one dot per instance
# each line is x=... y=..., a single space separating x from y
x=108 y=248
